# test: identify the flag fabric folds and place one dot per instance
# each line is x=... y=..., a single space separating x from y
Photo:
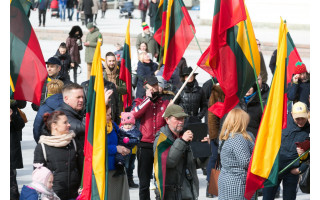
x=95 y=172
x=27 y=66
x=179 y=31
x=125 y=69
x=264 y=164
x=160 y=22
x=228 y=57
x=293 y=57
x=160 y=160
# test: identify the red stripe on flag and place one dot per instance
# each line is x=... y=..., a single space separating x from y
x=87 y=168
x=161 y=31
x=32 y=73
x=177 y=46
x=127 y=98
x=164 y=157
x=255 y=183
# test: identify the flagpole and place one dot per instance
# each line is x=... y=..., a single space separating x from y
x=254 y=68
x=284 y=169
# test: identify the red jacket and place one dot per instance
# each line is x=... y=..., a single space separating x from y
x=143 y=5
x=150 y=115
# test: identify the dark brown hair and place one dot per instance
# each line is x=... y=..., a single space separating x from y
x=50 y=118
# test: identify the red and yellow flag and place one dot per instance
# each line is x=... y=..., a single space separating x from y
x=263 y=167
x=95 y=172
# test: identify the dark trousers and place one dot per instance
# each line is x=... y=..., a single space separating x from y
x=75 y=68
x=70 y=13
x=143 y=16
x=42 y=13
x=212 y=158
x=290 y=183
x=145 y=167
x=88 y=17
x=14 y=192
x=130 y=165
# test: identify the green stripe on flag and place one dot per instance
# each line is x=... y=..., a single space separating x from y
x=273 y=176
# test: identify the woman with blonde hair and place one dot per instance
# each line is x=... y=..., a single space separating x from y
x=236 y=146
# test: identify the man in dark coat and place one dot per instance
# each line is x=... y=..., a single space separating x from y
x=297 y=130
x=87 y=8
x=153 y=7
x=113 y=103
x=72 y=106
x=42 y=6
x=53 y=69
x=180 y=177
x=16 y=162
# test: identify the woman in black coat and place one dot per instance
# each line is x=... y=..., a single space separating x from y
x=59 y=153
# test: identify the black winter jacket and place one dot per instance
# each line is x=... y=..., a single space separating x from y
x=76 y=121
x=16 y=126
x=193 y=100
x=114 y=103
x=289 y=137
x=66 y=166
x=87 y=7
x=253 y=108
x=65 y=60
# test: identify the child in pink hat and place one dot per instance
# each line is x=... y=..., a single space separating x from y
x=129 y=136
x=41 y=185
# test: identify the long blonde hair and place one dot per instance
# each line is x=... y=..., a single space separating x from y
x=236 y=122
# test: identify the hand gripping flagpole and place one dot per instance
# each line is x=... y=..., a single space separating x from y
x=284 y=169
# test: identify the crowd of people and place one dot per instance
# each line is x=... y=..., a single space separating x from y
x=154 y=130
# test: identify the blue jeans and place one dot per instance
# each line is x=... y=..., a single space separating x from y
x=212 y=159
x=70 y=10
x=62 y=11
x=290 y=182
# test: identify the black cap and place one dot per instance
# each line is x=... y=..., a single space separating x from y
x=151 y=80
x=53 y=60
x=187 y=71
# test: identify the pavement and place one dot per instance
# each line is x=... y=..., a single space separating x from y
x=112 y=25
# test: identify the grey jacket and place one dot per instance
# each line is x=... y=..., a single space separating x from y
x=174 y=169
x=92 y=37
x=152 y=44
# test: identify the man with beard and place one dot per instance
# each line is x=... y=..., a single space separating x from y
x=180 y=177
x=111 y=73
x=149 y=111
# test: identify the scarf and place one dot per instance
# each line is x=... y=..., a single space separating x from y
x=247 y=98
x=112 y=75
x=57 y=140
x=109 y=127
x=44 y=191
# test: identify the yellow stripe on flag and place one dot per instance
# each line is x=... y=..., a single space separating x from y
x=162 y=137
x=269 y=136
x=128 y=38
x=170 y=2
x=98 y=154
x=11 y=85
x=244 y=44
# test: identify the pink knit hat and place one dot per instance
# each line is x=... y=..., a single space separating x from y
x=40 y=174
x=127 y=118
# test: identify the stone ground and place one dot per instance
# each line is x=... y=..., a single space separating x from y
x=49 y=48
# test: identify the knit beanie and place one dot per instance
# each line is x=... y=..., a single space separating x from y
x=145 y=26
x=300 y=68
x=127 y=118
x=40 y=174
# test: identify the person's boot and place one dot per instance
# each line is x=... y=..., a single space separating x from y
x=119 y=170
x=131 y=183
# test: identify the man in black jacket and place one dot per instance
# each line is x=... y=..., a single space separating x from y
x=54 y=72
x=72 y=106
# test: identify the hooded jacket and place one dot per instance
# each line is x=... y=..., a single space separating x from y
x=49 y=106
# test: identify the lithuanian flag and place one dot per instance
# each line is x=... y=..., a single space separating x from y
x=228 y=57
x=160 y=22
x=95 y=172
x=125 y=69
x=178 y=35
x=264 y=165
x=27 y=66
x=293 y=57
x=160 y=162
